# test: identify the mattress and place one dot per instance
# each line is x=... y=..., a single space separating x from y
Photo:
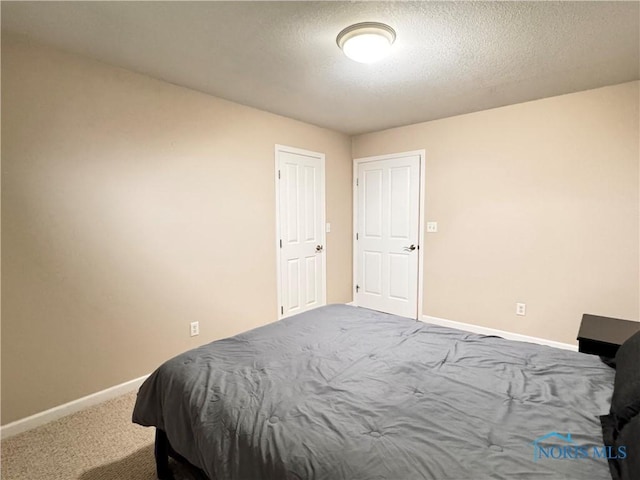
x=347 y=393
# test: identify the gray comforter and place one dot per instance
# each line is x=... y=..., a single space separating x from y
x=348 y=393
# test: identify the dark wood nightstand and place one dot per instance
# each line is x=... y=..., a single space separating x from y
x=604 y=335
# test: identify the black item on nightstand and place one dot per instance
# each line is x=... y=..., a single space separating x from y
x=604 y=335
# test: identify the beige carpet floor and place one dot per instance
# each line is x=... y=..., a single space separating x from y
x=100 y=443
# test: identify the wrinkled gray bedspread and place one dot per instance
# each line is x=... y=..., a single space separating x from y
x=348 y=393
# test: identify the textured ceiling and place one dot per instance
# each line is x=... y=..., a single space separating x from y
x=449 y=57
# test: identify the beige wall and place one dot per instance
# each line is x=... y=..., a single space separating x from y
x=537 y=203
x=131 y=207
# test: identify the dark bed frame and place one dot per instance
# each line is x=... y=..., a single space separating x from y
x=164 y=450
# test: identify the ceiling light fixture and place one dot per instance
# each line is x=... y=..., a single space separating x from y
x=366 y=42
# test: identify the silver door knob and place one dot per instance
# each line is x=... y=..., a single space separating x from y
x=410 y=248
x=319 y=248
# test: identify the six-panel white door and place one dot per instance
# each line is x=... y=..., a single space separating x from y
x=387 y=235
x=301 y=230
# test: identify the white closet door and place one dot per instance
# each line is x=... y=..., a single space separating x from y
x=387 y=236
x=301 y=230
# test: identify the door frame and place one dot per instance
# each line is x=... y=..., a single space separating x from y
x=323 y=217
x=421 y=220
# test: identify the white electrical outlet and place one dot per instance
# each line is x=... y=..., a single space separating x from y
x=195 y=328
x=432 y=227
x=521 y=309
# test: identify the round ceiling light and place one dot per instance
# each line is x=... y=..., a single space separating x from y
x=366 y=42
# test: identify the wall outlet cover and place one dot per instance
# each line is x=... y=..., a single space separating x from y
x=195 y=328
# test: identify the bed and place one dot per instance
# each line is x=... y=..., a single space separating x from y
x=347 y=393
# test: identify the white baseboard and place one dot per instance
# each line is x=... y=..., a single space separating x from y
x=60 y=411
x=351 y=304
x=500 y=333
